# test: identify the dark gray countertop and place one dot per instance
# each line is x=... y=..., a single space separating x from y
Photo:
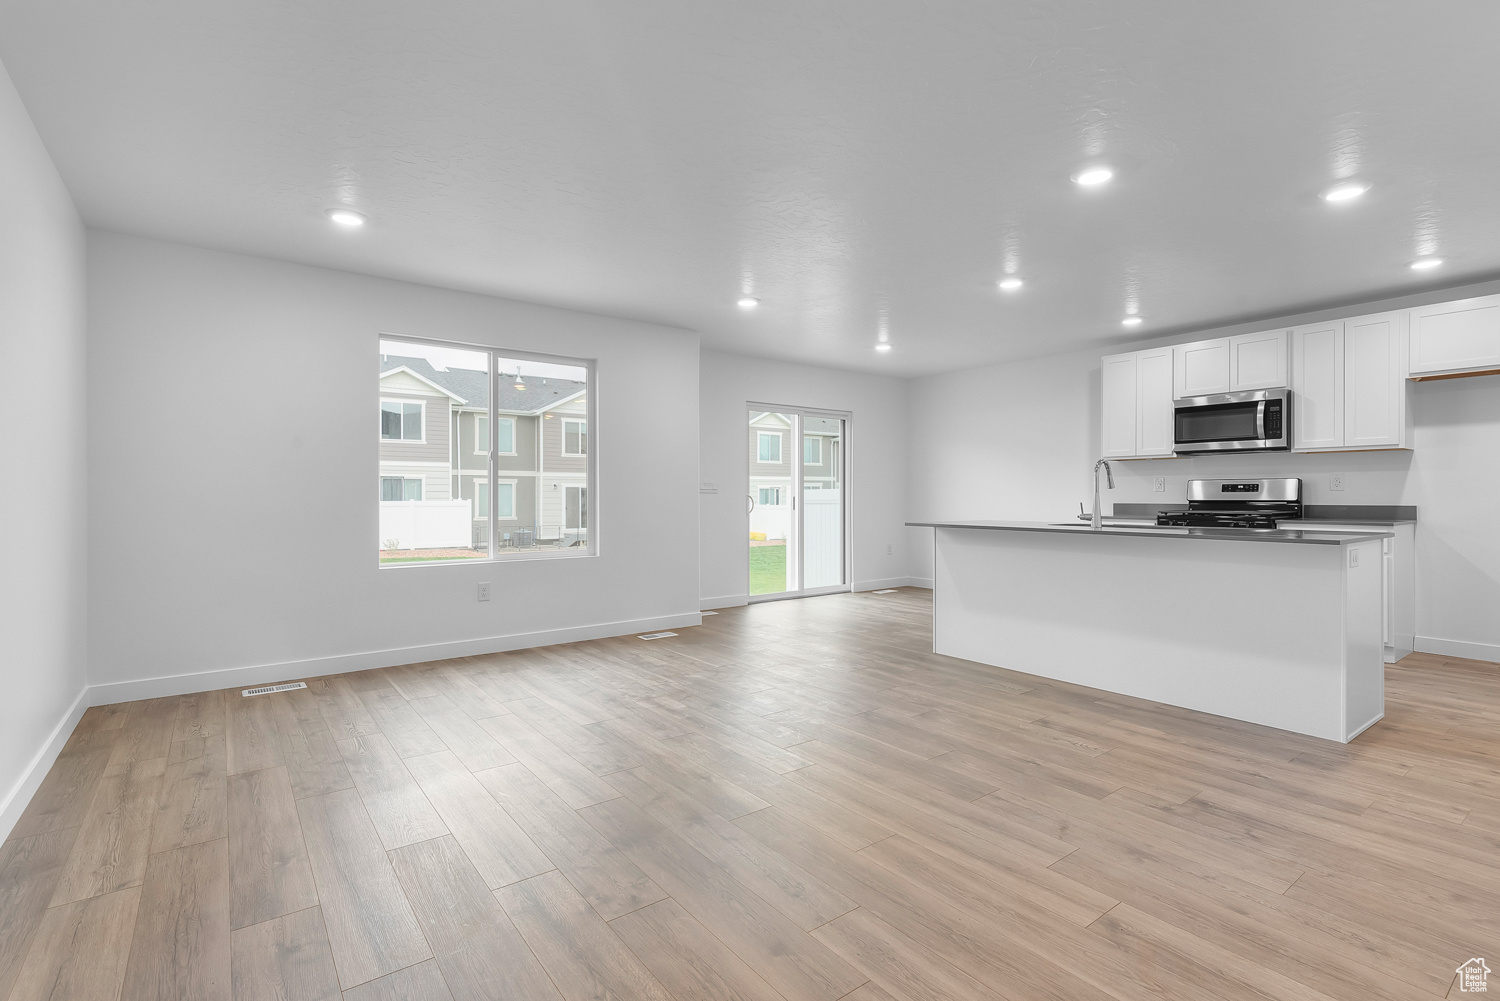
x=1287 y=535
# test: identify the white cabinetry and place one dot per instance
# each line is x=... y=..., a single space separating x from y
x=1398 y=580
x=1258 y=361
x=1348 y=384
x=1456 y=338
x=1119 y=406
x=1137 y=404
x=1200 y=368
x=1230 y=364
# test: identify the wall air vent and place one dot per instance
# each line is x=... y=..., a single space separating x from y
x=268 y=689
x=655 y=636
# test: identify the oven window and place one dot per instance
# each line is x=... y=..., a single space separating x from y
x=1223 y=422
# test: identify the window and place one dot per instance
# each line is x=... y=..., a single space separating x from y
x=770 y=446
x=576 y=516
x=400 y=488
x=575 y=438
x=812 y=451
x=770 y=496
x=505 y=438
x=401 y=421
x=453 y=505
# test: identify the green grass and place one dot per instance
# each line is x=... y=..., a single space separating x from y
x=767 y=569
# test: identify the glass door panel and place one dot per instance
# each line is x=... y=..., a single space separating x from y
x=772 y=448
x=822 y=508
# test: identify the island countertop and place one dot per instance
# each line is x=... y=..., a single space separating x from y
x=1295 y=536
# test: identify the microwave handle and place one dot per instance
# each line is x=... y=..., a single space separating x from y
x=1260 y=421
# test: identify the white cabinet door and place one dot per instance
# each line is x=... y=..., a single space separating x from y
x=1374 y=386
x=1118 y=406
x=1200 y=368
x=1318 y=386
x=1456 y=336
x=1153 y=389
x=1258 y=361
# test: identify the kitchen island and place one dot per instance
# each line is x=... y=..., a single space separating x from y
x=1279 y=627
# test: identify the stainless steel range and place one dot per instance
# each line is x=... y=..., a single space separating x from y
x=1238 y=503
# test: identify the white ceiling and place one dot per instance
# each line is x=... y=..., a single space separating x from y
x=853 y=164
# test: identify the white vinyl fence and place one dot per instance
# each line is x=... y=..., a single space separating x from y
x=823 y=542
x=426 y=524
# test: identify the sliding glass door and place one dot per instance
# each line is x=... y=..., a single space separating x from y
x=796 y=502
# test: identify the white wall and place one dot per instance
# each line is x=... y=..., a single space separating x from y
x=234 y=515
x=1017 y=441
x=42 y=451
x=877 y=462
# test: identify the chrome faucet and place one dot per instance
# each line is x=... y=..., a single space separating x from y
x=1098 y=521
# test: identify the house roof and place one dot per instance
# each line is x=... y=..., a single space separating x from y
x=472 y=386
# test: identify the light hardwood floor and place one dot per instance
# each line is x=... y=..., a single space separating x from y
x=795 y=801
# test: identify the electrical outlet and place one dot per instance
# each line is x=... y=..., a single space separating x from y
x=1353 y=556
x=1336 y=481
x=484 y=591
x=1159 y=485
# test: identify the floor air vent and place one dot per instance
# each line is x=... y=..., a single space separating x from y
x=268 y=689
x=888 y=590
x=655 y=636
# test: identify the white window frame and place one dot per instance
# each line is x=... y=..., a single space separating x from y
x=495 y=503
x=404 y=441
x=583 y=509
x=816 y=440
x=512 y=422
x=402 y=477
x=477 y=419
x=497 y=526
x=583 y=436
x=779 y=450
x=780 y=500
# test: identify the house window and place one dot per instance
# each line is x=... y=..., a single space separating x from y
x=575 y=438
x=812 y=451
x=401 y=421
x=400 y=488
x=576 y=509
x=770 y=446
x=770 y=496
x=453 y=507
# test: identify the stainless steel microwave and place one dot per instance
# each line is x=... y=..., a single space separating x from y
x=1259 y=421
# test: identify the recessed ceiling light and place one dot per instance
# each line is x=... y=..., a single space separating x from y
x=346 y=217
x=1345 y=192
x=1423 y=263
x=1133 y=321
x=749 y=302
x=882 y=347
x=1092 y=176
x=1010 y=284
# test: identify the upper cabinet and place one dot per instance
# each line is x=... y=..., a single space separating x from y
x=1230 y=364
x=1456 y=338
x=1136 y=409
x=1200 y=368
x=1258 y=361
x=1348 y=384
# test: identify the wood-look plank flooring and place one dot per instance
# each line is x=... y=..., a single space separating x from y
x=797 y=801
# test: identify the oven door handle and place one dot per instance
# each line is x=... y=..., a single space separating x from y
x=1260 y=421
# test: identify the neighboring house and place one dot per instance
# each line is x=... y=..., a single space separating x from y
x=771 y=452
x=435 y=435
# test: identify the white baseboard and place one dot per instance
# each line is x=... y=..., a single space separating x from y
x=265 y=674
x=875 y=585
x=1458 y=648
x=20 y=794
x=724 y=601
